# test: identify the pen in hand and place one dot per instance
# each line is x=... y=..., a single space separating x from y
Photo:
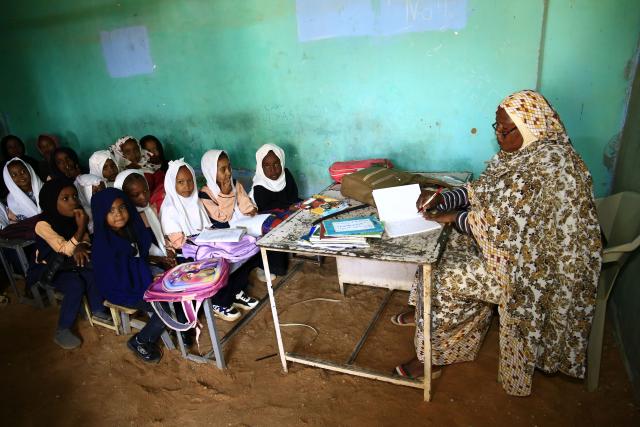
x=430 y=199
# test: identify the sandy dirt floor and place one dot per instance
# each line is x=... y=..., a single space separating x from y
x=102 y=383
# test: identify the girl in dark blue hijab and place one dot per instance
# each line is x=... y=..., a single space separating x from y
x=121 y=245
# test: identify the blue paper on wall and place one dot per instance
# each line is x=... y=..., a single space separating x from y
x=323 y=19
x=126 y=51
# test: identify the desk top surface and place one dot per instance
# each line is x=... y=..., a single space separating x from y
x=423 y=248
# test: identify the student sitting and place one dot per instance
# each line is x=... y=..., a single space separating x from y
x=225 y=199
x=62 y=256
x=135 y=186
x=154 y=146
x=120 y=259
x=64 y=164
x=24 y=188
x=88 y=185
x=46 y=144
x=275 y=191
x=103 y=164
x=273 y=185
x=11 y=146
x=129 y=155
x=183 y=216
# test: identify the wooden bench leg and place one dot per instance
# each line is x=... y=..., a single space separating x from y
x=126 y=327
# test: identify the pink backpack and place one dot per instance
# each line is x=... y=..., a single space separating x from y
x=188 y=284
x=339 y=169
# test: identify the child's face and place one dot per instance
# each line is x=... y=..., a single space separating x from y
x=97 y=188
x=152 y=147
x=20 y=175
x=271 y=166
x=110 y=170
x=223 y=176
x=46 y=147
x=118 y=215
x=14 y=148
x=66 y=165
x=184 y=182
x=68 y=201
x=131 y=151
x=138 y=191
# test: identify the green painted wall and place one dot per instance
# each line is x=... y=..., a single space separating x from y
x=232 y=74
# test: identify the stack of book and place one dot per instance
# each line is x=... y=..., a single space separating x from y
x=337 y=234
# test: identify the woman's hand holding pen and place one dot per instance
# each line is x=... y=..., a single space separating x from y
x=441 y=217
x=428 y=200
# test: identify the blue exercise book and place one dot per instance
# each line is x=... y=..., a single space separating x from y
x=363 y=225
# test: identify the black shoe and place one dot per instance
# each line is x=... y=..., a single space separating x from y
x=103 y=316
x=148 y=352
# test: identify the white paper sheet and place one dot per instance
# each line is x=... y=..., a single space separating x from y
x=397 y=211
x=220 y=235
x=253 y=224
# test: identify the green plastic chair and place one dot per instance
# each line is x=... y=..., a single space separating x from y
x=619 y=217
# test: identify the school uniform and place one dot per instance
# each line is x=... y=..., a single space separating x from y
x=120 y=261
x=55 y=235
x=274 y=195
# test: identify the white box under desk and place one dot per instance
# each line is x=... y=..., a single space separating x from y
x=390 y=275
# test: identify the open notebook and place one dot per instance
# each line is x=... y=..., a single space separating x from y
x=397 y=211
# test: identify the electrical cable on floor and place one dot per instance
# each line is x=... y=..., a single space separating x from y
x=316 y=299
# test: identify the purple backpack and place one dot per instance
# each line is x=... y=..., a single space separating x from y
x=188 y=284
x=231 y=251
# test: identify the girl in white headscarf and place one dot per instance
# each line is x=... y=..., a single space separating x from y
x=130 y=155
x=223 y=200
x=128 y=181
x=88 y=185
x=181 y=214
x=103 y=164
x=273 y=185
x=221 y=197
x=24 y=188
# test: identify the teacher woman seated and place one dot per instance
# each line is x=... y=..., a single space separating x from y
x=526 y=238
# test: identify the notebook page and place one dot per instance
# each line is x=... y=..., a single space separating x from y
x=396 y=203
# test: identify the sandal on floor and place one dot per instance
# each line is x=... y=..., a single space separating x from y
x=399 y=319
x=401 y=371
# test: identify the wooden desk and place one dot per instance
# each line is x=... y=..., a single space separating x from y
x=419 y=249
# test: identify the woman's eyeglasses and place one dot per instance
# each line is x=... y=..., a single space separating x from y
x=504 y=134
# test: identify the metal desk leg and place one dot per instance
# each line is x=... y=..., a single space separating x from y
x=24 y=263
x=426 y=313
x=9 y=271
x=213 y=331
x=274 y=310
x=183 y=349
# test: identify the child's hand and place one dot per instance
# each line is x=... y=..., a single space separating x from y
x=81 y=217
x=294 y=207
x=168 y=262
x=81 y=254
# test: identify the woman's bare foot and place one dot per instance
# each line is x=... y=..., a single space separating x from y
x=407 y=318
x=415 y=369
